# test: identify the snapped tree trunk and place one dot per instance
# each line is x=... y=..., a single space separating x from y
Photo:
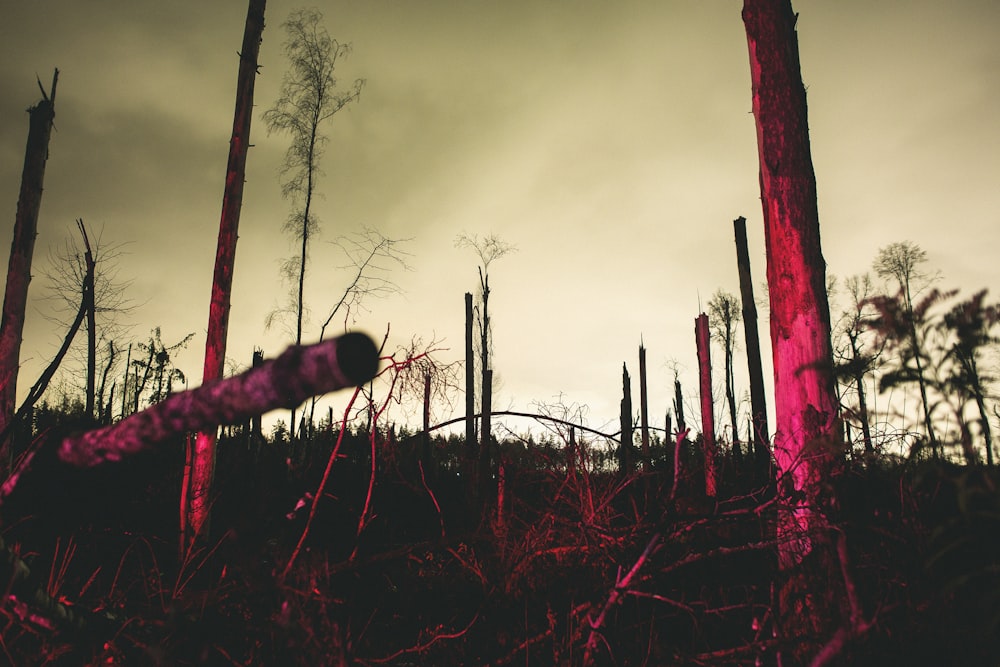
x=22 y=248
x=758 y=404
x=91 y=308
x=470 y=385
x=195 y=503
x=625 y=452
x=486 y=395
x=486 y=486
x=643 y=405
x=703 y=342
x=425 y=449
x=38 y=389
x=806 y=450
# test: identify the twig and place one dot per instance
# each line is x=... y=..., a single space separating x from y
x=322 y=486
x=620 y=589
x=420 y=648
x=423 y=480
x=857 y=626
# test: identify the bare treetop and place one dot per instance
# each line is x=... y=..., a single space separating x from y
x=488 y=248
x=308 y=97
x=903 y=261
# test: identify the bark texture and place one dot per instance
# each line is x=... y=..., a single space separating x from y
x=202 y=464
x=22 y=249
x=297 y=374
x=703 y=341
x=805 y=447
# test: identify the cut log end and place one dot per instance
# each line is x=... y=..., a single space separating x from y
x=357 y=357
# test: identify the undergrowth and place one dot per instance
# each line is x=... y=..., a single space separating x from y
x=582 y=566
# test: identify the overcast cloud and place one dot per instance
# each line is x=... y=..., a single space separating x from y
x=612 y=143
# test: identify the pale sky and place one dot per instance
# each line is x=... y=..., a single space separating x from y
x=611 y=142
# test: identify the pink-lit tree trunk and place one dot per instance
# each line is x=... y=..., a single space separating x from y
x=805 y=400
x=703 y=341
x=199 y=470
x=22 y=248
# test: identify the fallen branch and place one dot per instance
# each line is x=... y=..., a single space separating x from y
x=620 y=589
x=284 y=382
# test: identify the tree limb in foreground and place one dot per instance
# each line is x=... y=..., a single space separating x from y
x=284 y=382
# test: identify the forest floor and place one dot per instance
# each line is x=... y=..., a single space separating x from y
x=581 y=567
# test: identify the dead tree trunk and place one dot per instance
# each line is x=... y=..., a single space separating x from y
x=486 y=486
x=22 y=248
x=625 y=452
x=643 y=406
x=195 y=504
x=470 y=387
x=256 y=425
x=805 y=447
x=703 y=341
x=298 y=373
x=679 y=406
x=425 y=440
x=758 y=404
x=91 y=308
x=38 y=389
x=486 y=391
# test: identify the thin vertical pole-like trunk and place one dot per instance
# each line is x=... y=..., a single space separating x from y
x=679 y=406
x=22 y=249
x=625 y=453
x=859 y=381
x=486 y=446
x=256 y=426
x=470 y=377
x=806 y=415
x=731 y=394
x=91 y=307
x=643 y=406
x=425 y=452
x=758 y=404
x=486 y=409
x=484 y=361
x=196 y=502
x=703 y=342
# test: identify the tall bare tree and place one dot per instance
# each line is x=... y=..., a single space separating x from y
x=200 y=465
x=488 y=249
x=902 y=262
x=22 y=249
x=758 y=405
x=723 y=316
x=806 y=411
x=106 y=301
x=309 y=97
x=856 y=360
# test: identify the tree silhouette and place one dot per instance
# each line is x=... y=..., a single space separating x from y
x=22 y=247
x=969 y=325
x=723 y=316
x=902 y=262
x=308 y=99
x=488 y=249
x=855 y=359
